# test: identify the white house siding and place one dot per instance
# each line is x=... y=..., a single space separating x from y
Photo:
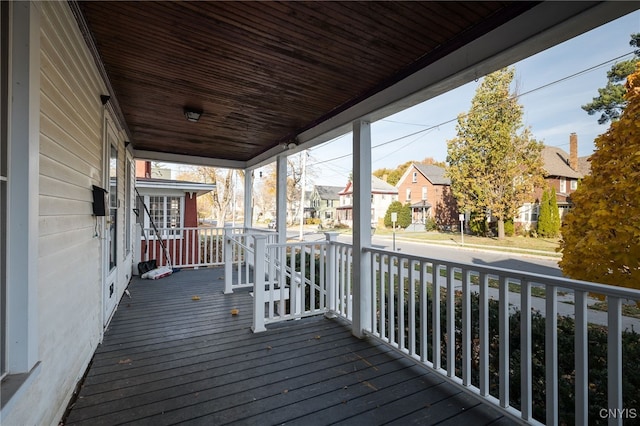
x=69 y=252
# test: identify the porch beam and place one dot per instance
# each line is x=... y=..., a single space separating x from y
x=362 y=278
x=281 y=198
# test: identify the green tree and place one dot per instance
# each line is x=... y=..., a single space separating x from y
x=549 y=217
x=610 y=100
x=404 y=215
x=494 y=164
x=601 y=234
x=393 y=175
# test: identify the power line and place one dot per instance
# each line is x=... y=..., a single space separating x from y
x=544 y=86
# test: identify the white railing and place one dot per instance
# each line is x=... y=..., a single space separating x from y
x=290 y=281
x=441 y=313
x=239 y=256
x=492 y=331
x=190 y=247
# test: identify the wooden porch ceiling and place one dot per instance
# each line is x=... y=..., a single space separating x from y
x=264 y=73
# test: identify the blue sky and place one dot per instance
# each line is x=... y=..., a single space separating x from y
x=551 y=112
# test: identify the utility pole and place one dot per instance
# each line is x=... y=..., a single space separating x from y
x=302 y=190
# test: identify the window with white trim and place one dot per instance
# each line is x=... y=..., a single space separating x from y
x=574 y=184
x=408 y=194
x=563 y=185
x=415 y=177
x=424 y=192
x=166 y=211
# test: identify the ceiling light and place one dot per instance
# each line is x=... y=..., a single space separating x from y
x=192 y=114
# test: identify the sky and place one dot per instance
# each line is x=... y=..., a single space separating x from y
x=552 y=112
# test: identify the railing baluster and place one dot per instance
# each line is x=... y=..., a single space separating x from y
x=412 y=306
x=392 y=300
x=435 y=315
x=483 y=332
x=451 y=322
x=503 y=301
x=424 y=315
x=581 y=358
x=401 y=323
x=383 y=294
x=614 y=358
x=466 y=328
x=525 y=350
x=272 y=277
x=551 y=353
x=375 y=267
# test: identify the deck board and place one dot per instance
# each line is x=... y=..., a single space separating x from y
x=168 y=359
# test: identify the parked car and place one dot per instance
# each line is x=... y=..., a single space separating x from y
x=272 y=224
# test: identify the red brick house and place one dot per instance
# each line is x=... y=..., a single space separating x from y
x=428 y=191
x=563 y=173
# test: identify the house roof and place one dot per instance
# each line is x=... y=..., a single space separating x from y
x=584 y=165
x=556 y=163
x=328 y=192
x=435 y=174
x=269 y=73
x=198 y=187
x=378 y=186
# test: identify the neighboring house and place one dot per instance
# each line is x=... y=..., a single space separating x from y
x=563 y=173
x=428 y=191
x=382 y=195
x=324 y=202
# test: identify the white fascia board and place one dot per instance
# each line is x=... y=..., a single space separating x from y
x=177 y=186
x=188 y=159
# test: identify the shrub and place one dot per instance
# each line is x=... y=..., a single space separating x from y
x=509 y=228
x=404 y=215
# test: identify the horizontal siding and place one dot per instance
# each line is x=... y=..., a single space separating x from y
x=69 y=253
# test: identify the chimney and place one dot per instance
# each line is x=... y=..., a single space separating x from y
x=573 y=151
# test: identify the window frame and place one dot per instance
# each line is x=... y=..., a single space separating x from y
x=145 y=222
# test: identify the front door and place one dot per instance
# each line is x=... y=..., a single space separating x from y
x=110 y=251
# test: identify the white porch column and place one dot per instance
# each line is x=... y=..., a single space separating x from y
x=361 y=227
x=248 y=198
x=23 y=190
x=281 y=198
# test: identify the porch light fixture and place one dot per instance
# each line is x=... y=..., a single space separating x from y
x=192 y=114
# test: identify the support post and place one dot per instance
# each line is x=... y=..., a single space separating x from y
x=361 y=227
x=281 y=198
x=248 y=199
x=259 y=252
x=330 y=275
x=228 y=262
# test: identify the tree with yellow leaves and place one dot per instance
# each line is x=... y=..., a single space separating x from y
x=601 y=235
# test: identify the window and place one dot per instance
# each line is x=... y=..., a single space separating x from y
x=408 y=194
x=424 y=192
x=563 y=185
x=574 y=185
x=415 y=177
x=113 y=206
x=165 y=211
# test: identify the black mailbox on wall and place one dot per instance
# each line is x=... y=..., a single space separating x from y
x=99 y=201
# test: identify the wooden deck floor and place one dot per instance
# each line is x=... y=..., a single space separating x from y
x=168 y=359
